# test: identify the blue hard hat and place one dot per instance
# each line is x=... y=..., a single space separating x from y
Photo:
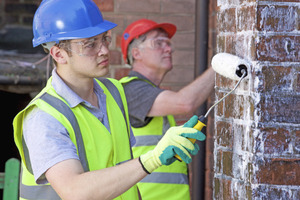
x=57 y=20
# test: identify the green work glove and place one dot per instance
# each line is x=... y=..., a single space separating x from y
x=173 y=142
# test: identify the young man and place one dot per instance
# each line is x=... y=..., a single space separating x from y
x=74 y=137
x=147 y=47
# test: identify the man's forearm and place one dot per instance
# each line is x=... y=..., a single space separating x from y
x=185 y=100
x=199 y=90
x=70 y=182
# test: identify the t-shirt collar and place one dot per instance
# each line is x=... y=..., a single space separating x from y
x=140 y=76
x=62 y=89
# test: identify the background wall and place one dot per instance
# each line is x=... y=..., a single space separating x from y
x=257 y=129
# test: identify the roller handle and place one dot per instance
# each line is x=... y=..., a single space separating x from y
x=200 y=124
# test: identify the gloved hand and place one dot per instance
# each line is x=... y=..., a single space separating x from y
x=173 y=142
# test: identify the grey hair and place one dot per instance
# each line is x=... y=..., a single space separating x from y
x=134 y=44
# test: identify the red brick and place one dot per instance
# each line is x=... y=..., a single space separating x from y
x=183 y=40
x=279 y=108
x=121 y=72
x=236 y=106
x=245 y=46
x=274 y=192
x=277 y=18
x=277 y=78
x=227 y=163
x=223 y=189
x=243 y=138
x=246 y=18
x=179 y=6
x=224 y=134
x=288 y=1
x=221 y=43
x=105 y=6
x=181 y=119
x=230 y=44
x=240 y=190
x=220 y=107
x=183 y=57
x=218 y=160
x=137 y=6
x=279 y=171
x=278 y=48
x=118 y=19
x=227 y=20
x=183 y=23
x=224 y=83
x=274 y=141
x=179 y=75
x=118 y=41
x=115 y=57
x=298 y=82
x=227 y=189
x=217 y=189
x=296 y=146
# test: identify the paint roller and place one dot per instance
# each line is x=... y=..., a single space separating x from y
x=229 y=66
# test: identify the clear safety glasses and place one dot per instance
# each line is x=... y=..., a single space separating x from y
x=160 y=43
x=91 y=46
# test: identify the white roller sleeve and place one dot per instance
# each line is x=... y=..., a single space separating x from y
x=229 y=65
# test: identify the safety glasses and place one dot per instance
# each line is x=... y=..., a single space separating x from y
x=92 y=46
x=159 y=43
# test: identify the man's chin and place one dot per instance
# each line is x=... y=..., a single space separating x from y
x=103 y=72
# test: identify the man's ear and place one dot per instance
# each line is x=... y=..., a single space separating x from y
x=136 y=53
x=58 y=55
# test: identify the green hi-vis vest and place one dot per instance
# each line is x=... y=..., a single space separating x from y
x=167 y=182
x=96 y=147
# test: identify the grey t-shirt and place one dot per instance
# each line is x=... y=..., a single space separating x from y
x=48 y=140
x=140 y=97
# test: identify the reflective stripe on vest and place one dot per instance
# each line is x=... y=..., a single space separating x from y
x=116 y=94
x=67 y=112
x=146 y=140
x=149 y=140
x=171 y=178
x=37 y=191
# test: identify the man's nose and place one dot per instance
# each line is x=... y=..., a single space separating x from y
x=103 y=50
x=169 y=48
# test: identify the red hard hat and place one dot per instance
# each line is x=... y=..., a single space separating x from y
x=141 y=27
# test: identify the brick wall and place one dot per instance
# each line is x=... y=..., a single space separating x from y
x=257 y=128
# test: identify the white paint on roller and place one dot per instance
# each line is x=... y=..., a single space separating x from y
x=228 y=65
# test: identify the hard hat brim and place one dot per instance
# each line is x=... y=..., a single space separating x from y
x=169 y=28
x=78 y=34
